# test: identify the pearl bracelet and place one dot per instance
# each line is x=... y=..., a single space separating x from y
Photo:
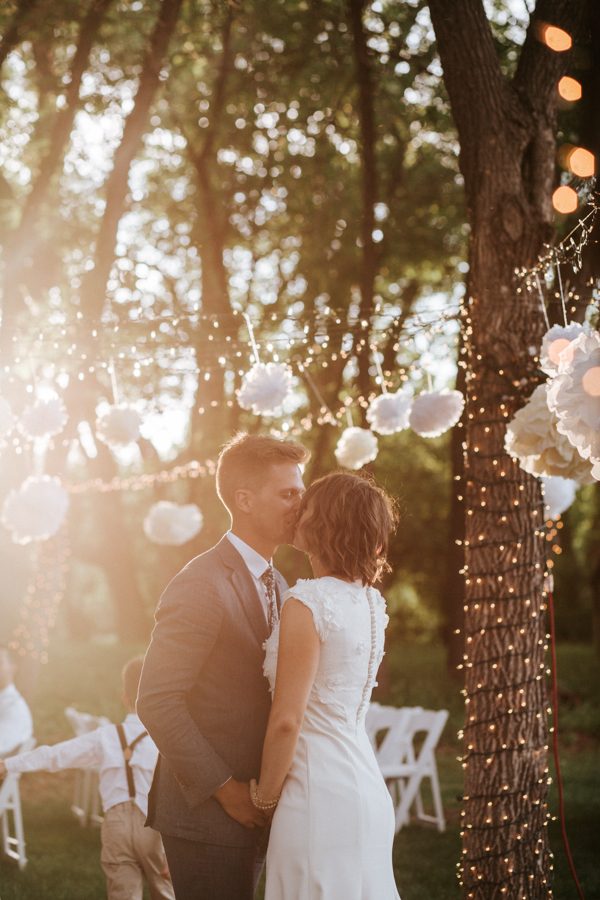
x=258 y=802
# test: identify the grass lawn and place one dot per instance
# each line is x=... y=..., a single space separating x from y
x=64 y=859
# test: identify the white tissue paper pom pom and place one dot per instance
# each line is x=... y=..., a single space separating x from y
x=533 y=439
x=36 y=510
x=559 y=494
x=356 y=447
x=44 y=418
x=119 y=426
x=7 y=420
x=574 y=395
x=389 y=413
x=556 y=345
x=434 y=412
x=172 y=524
x=265 y=387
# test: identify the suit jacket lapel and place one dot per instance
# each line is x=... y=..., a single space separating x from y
x=244 y=586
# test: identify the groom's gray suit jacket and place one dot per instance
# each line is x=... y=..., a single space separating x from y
x=203 y=696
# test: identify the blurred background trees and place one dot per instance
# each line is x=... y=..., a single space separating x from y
x=167 y=167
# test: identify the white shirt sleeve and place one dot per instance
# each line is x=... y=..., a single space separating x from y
x=16 y=725
x=83 y=752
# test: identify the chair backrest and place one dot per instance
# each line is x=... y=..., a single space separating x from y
x=431 y=722
x=82 y=722
x=379 y=718
x=10 y=784
x=396 y=743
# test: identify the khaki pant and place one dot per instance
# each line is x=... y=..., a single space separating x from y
x=130 y=853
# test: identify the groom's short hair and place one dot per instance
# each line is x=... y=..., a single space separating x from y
x=244 y=459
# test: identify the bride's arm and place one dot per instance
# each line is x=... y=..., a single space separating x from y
x=297 y=662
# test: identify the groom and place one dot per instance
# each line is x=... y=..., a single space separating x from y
x=203 y=696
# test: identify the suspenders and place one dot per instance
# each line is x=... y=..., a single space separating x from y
x=127 y=754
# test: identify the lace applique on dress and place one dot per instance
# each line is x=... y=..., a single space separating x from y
x=322 y=601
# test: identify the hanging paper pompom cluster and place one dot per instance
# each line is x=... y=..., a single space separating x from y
x=574 y=395
x=356 y=447
x=388 y=413
x=265 y=388
x=36 y=510
x=172 y=524
x=434 y=412
x=559 y=494
x=44 y=418
x=557 y=432
x=119 y=426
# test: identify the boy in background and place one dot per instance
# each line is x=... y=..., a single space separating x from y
x=125 y=756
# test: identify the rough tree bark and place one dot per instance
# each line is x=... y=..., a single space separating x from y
x=366 y=118
x=93 y=287
x=507 y=129
x=210 y=237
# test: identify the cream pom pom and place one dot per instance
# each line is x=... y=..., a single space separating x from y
x=559 y=494
x=119 y=426
x=7 y=420
x=574 y=395
x=389 y=413
x=556 y=345
x=172 y=524
x=356 y=447
x=35 y=511
x=265 y=387
x=533 y=439
x=434 y=412
x=44 y=418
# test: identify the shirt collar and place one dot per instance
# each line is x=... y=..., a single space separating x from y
x=256 y=563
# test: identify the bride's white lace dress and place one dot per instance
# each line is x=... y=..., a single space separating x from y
x=332 y=832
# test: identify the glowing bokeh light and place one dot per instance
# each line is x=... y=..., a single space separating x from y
x=569 y=89
x=556 y=348
x=581 y=162
x=591 y=381
x=565 y=199
x=555 y=38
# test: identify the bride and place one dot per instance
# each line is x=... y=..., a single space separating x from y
x=333 y=822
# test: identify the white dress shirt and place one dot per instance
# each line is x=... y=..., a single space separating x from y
x=16 y=725
x=256 y=564
x=99 y=749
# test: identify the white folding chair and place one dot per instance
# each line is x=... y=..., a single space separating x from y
x=405 y=768
x=86 y=798
x=13 y=835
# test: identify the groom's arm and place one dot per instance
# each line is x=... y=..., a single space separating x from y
x=188 y=621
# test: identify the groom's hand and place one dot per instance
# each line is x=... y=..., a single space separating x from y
x=234 y=797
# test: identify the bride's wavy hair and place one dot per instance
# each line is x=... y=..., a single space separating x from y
x=349 y=525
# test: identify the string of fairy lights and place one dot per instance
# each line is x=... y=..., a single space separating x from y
x=505 y=606
x=304 y=350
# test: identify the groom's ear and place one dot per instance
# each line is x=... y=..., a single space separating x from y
x=243 y=500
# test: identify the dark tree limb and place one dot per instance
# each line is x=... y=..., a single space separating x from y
x=13 y=34
x=93 y=289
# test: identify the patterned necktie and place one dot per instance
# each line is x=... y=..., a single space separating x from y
x=268 y=579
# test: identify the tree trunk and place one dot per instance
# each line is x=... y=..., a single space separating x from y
x=368 y=267
x=209 y=425
x=93 y=288
x=454 y=592
x=12 y=35
x=507 y=137
x=23 y=244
